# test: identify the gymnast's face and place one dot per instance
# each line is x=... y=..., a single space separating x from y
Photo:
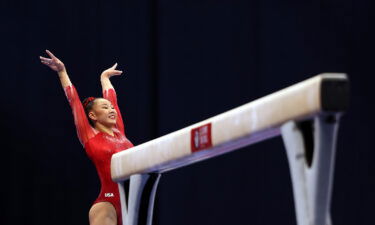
x=103 y=112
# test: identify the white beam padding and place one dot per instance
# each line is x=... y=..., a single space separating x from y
x=248 y=124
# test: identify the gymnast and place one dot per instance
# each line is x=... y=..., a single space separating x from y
x=100 y=130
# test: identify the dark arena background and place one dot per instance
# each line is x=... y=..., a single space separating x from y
x=183 y=61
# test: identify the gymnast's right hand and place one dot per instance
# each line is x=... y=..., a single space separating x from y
x=54 y=63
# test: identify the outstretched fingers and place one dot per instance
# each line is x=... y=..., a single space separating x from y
x=112 y=71
x=54 y=63
x=50 y=54
x=114 y=66
x=117 y=72
x=44 y=60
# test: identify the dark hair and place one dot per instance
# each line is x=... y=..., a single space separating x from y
x=88 y=103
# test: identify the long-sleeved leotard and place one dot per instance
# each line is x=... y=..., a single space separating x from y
x=100 y=146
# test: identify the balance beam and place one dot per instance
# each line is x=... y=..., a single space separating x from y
x=244 y=125
x=324 y=96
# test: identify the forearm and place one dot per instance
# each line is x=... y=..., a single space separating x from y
x=106 y=83
x=64 y=79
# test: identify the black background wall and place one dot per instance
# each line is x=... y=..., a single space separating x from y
x=183 y=61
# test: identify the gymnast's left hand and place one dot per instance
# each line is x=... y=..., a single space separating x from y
x=111 y=72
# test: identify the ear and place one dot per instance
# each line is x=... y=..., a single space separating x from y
x=92 y=116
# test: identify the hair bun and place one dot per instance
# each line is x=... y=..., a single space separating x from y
x=87 y=101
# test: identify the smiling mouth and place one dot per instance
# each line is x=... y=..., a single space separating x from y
x=112 y=117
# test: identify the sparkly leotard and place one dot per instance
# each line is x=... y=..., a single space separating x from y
x=100 y=146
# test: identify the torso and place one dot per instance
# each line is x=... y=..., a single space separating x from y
x=100 y=149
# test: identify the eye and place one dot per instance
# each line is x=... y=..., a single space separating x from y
x=104 y=107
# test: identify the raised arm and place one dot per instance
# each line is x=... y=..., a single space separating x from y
x=84 y=130
x=55 y=64
x=106 y=74
x=110 y=93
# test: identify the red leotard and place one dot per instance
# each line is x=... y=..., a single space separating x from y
x=100 y=146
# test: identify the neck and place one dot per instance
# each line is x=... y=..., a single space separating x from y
x=100 y=127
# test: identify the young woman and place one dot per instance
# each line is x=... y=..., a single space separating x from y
x=101 y=131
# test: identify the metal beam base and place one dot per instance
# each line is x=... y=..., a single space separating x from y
x=311 y=147
x=142 y=190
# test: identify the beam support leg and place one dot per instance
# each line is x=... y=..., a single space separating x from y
x=142 y=190
x=311 y=147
